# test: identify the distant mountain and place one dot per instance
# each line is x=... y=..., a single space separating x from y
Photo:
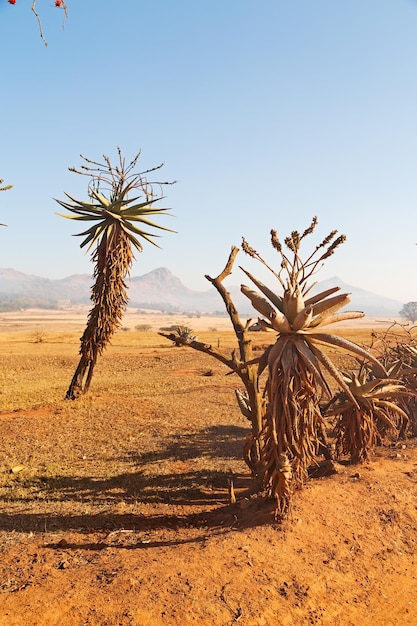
x=160 y=290
x=19 y=290
x=362 y=300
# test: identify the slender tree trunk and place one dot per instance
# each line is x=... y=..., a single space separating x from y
x=247 y=370
x=113 y=259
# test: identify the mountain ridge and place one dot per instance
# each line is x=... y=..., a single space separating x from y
x=159 y=289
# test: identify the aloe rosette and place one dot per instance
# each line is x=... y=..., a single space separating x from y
x=375 y=415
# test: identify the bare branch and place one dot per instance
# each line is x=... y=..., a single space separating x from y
x=60 y=4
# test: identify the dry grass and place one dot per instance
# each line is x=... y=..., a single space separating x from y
x=151 y=407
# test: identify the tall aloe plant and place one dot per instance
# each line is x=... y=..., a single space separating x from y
x=118 y=222
x=298 y=366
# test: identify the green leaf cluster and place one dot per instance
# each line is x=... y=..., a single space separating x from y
x=115 y=212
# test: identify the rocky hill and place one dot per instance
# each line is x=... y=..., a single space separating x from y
x=159 y=290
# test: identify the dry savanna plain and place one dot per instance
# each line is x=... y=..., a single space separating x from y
x=115 y=509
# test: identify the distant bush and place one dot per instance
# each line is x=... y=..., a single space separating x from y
x=184 y=334
x=39 y=336
x=180 y=334
x=143 y=328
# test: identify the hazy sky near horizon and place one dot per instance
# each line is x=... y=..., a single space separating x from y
x=266 y=112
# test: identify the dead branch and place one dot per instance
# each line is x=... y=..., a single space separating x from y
x=246 y=367
x=239 y=328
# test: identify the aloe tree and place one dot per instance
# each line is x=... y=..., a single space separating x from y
x=118 y=221
x=297 y=363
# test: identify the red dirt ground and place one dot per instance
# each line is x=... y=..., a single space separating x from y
x=346 y=556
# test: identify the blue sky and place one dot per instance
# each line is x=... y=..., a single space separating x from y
x=266 y=112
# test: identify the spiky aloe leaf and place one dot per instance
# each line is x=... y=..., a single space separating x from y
x=293 y=303
x=333 y=371
x=258 y=302
x=387 y=390
x=102 y=199
x=337 y=317
x=391 y=406
x=373 y=386
x=327 y=307
x=345 y=344
x=303 y=318
x=312 y=361
x=321 y=296
x=275 y=298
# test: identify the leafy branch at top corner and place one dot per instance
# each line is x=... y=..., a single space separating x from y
x=59 y=4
